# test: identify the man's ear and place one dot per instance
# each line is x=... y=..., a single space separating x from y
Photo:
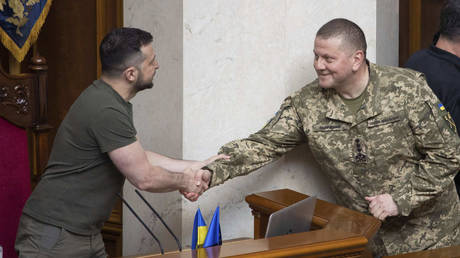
x=131 y=74
x=358 y=59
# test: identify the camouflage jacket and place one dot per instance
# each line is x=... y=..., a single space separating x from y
x=401 y=141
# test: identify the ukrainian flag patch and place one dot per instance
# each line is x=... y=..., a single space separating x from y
x=441 y=106
x=447 y=117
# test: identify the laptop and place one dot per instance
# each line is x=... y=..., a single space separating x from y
x=295 y=218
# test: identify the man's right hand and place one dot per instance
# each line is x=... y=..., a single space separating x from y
x=196 y=182
x=202 y=175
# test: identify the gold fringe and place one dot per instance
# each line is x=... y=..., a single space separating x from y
x=20 y=53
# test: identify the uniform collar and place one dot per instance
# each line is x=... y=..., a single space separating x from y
x=337 y=110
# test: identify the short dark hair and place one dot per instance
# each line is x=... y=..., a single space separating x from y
x=121 y=48
x=449 y=25
x=349 y=31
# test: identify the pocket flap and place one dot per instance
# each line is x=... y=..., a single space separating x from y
x=329 y=127
x=382 y=120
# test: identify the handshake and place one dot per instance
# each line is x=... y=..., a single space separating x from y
x=197 y=179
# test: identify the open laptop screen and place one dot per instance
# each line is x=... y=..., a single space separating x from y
x=295 y=218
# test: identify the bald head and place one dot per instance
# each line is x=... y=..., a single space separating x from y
x=350 y=33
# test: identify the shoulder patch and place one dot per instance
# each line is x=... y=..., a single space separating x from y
x=441 y=107
x=446 y=115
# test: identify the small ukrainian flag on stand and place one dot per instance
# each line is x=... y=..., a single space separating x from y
x=214 y=235
x=203 y=237
x=199 y=231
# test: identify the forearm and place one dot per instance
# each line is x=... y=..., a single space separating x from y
x=167 y=163
x=280 y=135
x=157 y=180
x=132 y=162
x=429 y=179
x=246 y=156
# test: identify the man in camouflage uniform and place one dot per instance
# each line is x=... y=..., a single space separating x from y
x=379 y=133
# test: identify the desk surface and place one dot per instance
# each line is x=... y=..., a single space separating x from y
x=312 y=242
x=327 y=215
x=339 y=232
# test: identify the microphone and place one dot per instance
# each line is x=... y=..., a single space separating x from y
x=161 y=219
x=142 y=222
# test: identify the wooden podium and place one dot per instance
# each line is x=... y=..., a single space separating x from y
x=335 y=232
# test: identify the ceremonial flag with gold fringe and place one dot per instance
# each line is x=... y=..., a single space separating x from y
x=20 y=23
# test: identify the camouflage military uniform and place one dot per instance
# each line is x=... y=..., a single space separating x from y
x=401 y=141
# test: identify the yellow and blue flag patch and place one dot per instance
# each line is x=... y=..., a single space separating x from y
x=446 y=115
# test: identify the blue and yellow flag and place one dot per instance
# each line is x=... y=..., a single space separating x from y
x=214 y=235
x=441 y=106
x=20 y=23
x=199 y=231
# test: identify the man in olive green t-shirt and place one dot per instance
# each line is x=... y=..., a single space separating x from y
x=94 y=150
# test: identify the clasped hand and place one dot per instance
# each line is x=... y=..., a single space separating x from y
x=382 y=206
x=197 y=182
x=199 y=178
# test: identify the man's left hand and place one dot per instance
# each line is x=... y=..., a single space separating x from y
x=382 y=206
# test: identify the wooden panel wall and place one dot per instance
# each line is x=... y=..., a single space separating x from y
x=67 y=41
x=418 y=22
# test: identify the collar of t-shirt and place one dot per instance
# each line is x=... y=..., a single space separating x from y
x=354 y=104
x=446 y=55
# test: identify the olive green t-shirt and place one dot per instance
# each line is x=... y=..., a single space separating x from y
x=354 y=104
x=79 y=186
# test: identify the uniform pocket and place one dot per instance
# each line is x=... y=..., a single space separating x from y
x=329 y=142
x=383 y=120
x=388 y=138
x=330 y=127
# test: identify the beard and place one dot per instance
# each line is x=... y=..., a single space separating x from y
x=141 y=85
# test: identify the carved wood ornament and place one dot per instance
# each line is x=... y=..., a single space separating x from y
x=17 y=97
